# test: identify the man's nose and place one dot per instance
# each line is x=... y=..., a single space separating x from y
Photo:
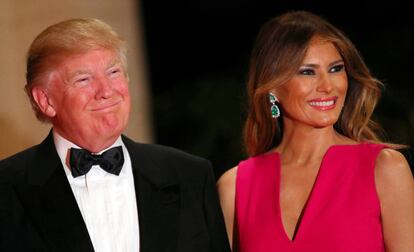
x=104 y=89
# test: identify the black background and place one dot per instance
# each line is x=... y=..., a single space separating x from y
x=198 y=55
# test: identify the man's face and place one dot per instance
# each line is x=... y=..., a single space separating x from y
x=90 y=98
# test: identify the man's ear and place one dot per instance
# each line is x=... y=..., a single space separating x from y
x=42 y=99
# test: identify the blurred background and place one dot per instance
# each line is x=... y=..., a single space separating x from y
x=198 y=55
x=190 y=60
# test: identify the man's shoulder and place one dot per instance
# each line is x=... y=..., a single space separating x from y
x=167 y=152
x=167 y=156
x=17 y=163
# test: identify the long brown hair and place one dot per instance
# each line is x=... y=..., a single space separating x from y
x=279 y=50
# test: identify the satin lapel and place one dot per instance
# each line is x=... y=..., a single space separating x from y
x=50 y=204
x=158 y=199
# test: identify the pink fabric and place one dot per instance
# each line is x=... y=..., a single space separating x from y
x=342 y=214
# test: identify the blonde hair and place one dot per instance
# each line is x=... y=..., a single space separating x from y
x=280 y=48
x=63 y=39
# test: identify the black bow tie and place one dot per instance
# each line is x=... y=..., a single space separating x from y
x=81 y=161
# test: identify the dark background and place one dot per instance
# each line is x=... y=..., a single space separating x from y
x=198 y=55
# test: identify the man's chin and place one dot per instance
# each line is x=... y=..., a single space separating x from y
x=110 y=132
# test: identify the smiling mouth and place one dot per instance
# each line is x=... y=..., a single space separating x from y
x=106 y=106
x=324 y=104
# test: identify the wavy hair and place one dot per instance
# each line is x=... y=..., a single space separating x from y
x=279 y=50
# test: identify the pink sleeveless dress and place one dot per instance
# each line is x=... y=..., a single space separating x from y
x=342 y=213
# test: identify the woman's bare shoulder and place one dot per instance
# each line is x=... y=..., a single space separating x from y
x=228 y=179
x=392 y=173
x=391 y=164
x=395 y=188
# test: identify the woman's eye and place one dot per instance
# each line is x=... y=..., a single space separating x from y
x=307 y=72
x=336 y=68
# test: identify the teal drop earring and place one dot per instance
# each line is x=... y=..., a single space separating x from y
x=274 y=109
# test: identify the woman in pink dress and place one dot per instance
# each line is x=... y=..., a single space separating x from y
x=318 y=178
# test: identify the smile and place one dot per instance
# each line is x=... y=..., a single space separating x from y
x=324 y=104
x=104 y=107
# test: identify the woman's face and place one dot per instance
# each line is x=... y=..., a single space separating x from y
x=316 y=93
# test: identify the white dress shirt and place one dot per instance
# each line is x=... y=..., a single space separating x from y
x=107 y=202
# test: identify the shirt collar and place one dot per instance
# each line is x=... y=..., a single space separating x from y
x=63 y=146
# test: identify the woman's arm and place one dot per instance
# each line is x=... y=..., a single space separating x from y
x=226 y=187
x=395 y=187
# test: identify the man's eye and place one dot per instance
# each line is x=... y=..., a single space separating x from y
x=336 y=68
x=114 y=72
x=307 y=72
x=82 y=80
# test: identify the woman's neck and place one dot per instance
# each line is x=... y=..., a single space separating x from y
x=303 y=144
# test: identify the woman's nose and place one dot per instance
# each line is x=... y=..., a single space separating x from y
x=325 y=84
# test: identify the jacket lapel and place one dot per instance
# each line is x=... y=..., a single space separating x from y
x=158 y=199
x=50 y=204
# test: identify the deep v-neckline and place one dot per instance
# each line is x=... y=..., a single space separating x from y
x=303 y=213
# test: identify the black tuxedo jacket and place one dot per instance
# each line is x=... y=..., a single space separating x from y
x=177 y=203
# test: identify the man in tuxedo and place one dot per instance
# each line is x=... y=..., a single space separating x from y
x=87 y=187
